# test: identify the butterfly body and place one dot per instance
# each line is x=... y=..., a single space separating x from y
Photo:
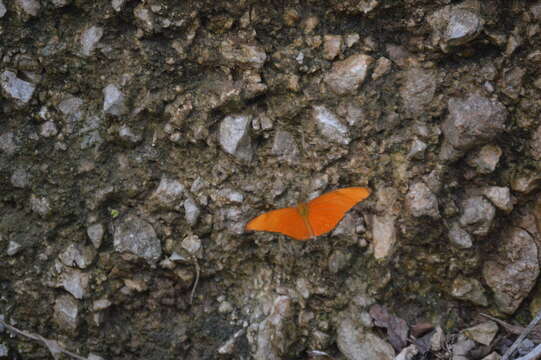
x=313 y=218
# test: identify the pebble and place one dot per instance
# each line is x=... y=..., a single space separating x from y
x=526 y=182
x=40 y=205
x=191 y=211
x=382 y=67
x=347 y=75
x=136 y=236
x=273 y=340
x=235 y=136
x=500 y=196
x=48 y=129
x=101 y=304
x=356 y=343
x=75 y=282
x=192 y=244
x=331 y=46
x=285 y=147
x=482 y=333
x=30 y=7
x=477 y=215
x=329 y=126
x=384 y=236
x=16 y=88
x=462 y=347
x=485 y=160
x=251 y=55
x=90 y=39
x=469 y=289
x=455 y=25
x=66 y=313
x=7 y=143
x=13 y=248
x=78 y=255
x=144 y=18
x=127 y=134
x=420 y=201
x=417 y=90
x=95 y=233
x=168 y=194
x=459 y=237
x=118 y=5
x=338 y=261
x=4 y=351
x=20 y=178
x=512 y=274
x=114 y=102
x=3 y=9
x=417 y=149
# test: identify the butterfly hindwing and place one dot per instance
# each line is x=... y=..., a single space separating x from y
x=287 y=221
x=326 y=211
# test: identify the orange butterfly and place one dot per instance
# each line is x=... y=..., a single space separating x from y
x=314 y=218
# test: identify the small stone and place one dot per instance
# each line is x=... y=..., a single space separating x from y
x=78 y=255
x=168 y=195
x=3 y=9
x=136 y=236
x=526 y=182
x=94 y=357
x=357 y=343
x=420 y=201
x=192 y=244
x=331 y=46
x=90 y=39
x=486 y=160
x=513 y=273
x=417 y=150
x=60 y=3
x=500 y=197
x=101 y=304
x=48 y=129
x=30 y=7
x=455 y=25
x=469 y=289
x=144 y=18
x=66 y=313
x=114 y=102
x=75 y=282
x=477 y=215
x=13 y=248
x=329 y=126
x=225 y=307
x=382 y=67
x=384 y=236
x=251 y=55
x=437 y=339
x=16 y=88
x=472 y=121
x=535 y=143
x=482 y=333
x=347 y=75
x=191 y=211
x=462 y=347
x=95 y=234
x=118 y=5
x=285 y=147
x=235 y=136
x=407 y=353
x=7 y=143
x=127 y=134
x=4 y=351
x=338 y=261
x=20 y=178
x=459 y=237
x=492 y=356
x=274 y=333
x=40 y=205
x=418 y=90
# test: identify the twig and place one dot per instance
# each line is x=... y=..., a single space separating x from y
x=532 y=355
x=52 y=345
x=197 y=272
x=518 y=341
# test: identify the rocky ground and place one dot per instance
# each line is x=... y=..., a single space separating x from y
x=137 y=138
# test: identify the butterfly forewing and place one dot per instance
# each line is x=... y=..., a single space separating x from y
x=287 y=221
x=326 y=211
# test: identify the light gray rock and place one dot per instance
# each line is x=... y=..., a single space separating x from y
x=66 y=313
x=118 y=5
x=417 y=91
x=285 y=147
x=338 y=261
x=526 y=182
x=40 y=205
x=331 y=46
x=20 y=178
x=90 y=39
x=382 y=67
x=329 y=126
x=500 y=196
x=13 y=248
x=114 y=101
x=71 y=105
x=462 y=347
x=460 y=237
x=75 y=282
x=471 y=121
x=477 y=215
x=16 y=88
x=514 y=270
x=469 y=289
x=144 y=18
x=48 y=129
x=78 y=255
x=4 y=351
x=485 y=160
x=7 y=143
x=245 y=54
x=29 y=7
x=347 y=75
x=192 y=244
x=136 y=236
x=357 y=343
x=455 y=25
x=127 y=134
x=95 y=233
x=235 y=136
x=420 y=201
x=492 y=356
x=168 y=194
x=191 y=211
x=384 y=235
x=229 y=196
x=101 y=304
x=417 y=150
x=482 y=333
x=3 y=9
x=61 y=3
x=275 y=333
